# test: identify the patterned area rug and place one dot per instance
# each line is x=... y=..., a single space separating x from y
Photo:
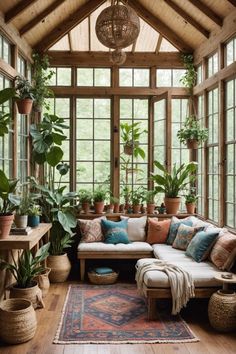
x=116 y=314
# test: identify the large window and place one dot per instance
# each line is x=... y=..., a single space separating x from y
x=159 y=136
x=6 y=142
x=201 y=161
x=134 y=171
x=60 y=77
x=169 y=77
x=212 y=65
x=213 y=155
x=21 y=65
x=230 y=51
x=231 y=153
x=93 y=142
x=134 y=77
x=5 y=49
x=97 y=77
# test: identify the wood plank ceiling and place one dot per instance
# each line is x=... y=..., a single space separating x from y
x=69 y=25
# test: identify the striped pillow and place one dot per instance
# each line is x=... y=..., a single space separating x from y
x=223 y=253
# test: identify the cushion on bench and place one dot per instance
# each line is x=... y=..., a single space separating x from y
x=132 y=247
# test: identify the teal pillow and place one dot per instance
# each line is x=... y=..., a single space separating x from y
x=115 y=232
x=201 y=244
x=103 y=270
x=174 y=225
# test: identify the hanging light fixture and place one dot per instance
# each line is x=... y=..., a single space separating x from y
x=117 y=27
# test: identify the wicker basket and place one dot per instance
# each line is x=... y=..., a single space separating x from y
x=103 y=279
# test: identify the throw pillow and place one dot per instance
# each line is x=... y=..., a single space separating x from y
x=223 y=253
x=91 y=230
x=184 y=236
x=157 y=230
x=115 y=232
x=136 y=228
x=174 y=225
x=201 y=244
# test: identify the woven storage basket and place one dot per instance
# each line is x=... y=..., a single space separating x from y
x=17 y=321
x=102 y=279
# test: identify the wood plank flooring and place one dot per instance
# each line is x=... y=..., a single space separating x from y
x=211 y=342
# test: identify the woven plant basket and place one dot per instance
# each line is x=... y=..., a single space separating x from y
x=17 y=321
x=60 y=268
x=33 y=294
x=43 y=281
x=102 y=279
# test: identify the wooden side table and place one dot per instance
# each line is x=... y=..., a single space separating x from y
x=222 y=306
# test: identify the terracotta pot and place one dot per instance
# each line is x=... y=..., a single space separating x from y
x=136 y=208
x=21 y=221
x=24 y=106
x=60 y=268
x=43 y=281
x=192 y=144
x=18 y=321
x=116 y=207
x=86 y=207
x=33 y=294
x=190 y=208
x=5 y=225
x=172 y=205
x=98 y=207
x=150 y=208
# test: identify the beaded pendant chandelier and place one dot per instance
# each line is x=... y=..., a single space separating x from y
x=117 y=27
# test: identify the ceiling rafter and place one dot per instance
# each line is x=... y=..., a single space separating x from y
x=70 y=41
x=158 y=46
x=68 y=24
x=160 y=26
x=32 y=23
x=207 y=11
x=188 y=18
x=17 y=9
x=233 y=2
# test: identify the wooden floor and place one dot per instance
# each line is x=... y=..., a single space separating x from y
x=195 y=315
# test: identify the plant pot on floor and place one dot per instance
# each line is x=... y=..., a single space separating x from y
x=33 y=294
x=98 y=207
x=60 y=268
x=5 y=225
x=43 y=281
x=24 y=106
x=18 y=321
x=21 y=221
x=190 y=207
x=33 y=220
x=172 y=205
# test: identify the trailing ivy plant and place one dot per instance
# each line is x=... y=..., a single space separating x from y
x=190 y=76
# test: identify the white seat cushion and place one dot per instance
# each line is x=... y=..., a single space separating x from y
x=132 y=247
x=203 y=274
x=168 y=253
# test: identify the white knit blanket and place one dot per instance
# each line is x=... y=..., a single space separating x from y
x=181 y=282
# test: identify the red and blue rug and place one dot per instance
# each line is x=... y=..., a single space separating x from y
x=116 y=314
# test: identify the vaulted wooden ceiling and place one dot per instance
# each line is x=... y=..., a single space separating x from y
x=166 y=25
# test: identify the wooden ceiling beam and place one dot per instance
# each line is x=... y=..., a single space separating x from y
x=160 y=26
x=158 y=46
x=32 y=23
x=68 y=24
x=233 y=2
x=102 y=59
x=188 y=18
x=17 y=9
x=207 y=11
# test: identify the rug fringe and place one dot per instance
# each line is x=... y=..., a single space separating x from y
x=160 y=341
x=62 y=316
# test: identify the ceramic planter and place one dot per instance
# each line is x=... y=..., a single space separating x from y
x=24 y=106
x=21 y=221
x=5 y=225
x=33 y=220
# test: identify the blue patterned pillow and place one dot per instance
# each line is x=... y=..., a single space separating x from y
x=184 y=236
x=115 y=232
x=201 y=244
x=174 y=225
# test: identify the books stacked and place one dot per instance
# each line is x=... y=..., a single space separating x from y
x=21 y=230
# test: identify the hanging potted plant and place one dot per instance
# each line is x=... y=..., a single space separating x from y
x=171 y=183
x=85 y=199
x=24 y=95
x=24 y=271
x=192 y=134
x=130 y=136
x=190 y=201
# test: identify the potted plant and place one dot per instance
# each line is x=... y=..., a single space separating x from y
x=137 y=198
x=24 y=271
x=34 y=213
x=99 y=196
x=21 y=215
x=190 y=201
x=149 y=197
x=8 y=203
x=130 y=136
x=40 y=78
x=85 y=198
x=171 y=183
x=192 y=134
x=24 y=95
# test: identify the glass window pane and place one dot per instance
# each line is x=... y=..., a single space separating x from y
x=102 y=150
x=84 y=108
x=140 y=109
x=125 y=77
x=126 y=107
x=84 y=129
x=163 y=77
x=64 y=76
x=102 y=129
x=84 y=77
x=102 y=108
x=177 y=76
x=62 y=108
x=141 y=77
x=84 y=150
x=101 y=172
x=102 y=77
x=84 y=172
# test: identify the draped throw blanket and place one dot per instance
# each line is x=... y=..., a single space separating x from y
x=181 y=282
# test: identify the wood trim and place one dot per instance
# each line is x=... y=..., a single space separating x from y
x=222 y=150
x=213 y=80
x=68 y=24
x=188 y=18
x=17 y=9
x=160 y=26
x=109 y=91
x=73 y=146
x=207 y=11
x=205 y=176
x=32 y=23
x=7 y=69
x=101 y=59
x=158 y=46
x=115 y=147
x=168 y=131
x=150 y=141
x=70 y=41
